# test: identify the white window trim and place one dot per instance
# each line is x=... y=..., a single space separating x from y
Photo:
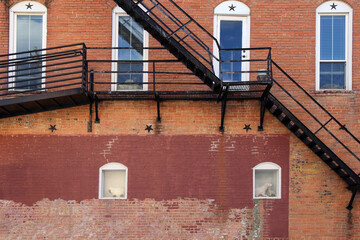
x=20 y=9
x=241 y=13
x=342 y=9
x=117 y=11
x=112 y=166
x=268 y=166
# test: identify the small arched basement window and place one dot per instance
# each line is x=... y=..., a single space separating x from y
x=113 y=181
x=266 y=181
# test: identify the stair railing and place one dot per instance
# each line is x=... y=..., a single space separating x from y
x=179 y=28
x=323 y=123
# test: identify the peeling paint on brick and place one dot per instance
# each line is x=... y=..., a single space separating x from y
x=131 y=219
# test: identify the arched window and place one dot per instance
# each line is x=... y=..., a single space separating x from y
x=232 y=30
x=333 y=46
x=113 y=181
x=266 y=181
x=27 y=33
x=131 y=40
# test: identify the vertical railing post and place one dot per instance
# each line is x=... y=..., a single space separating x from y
x=153 y=73
x=270 y=67
x=220 y=66
x=84 y=70
x=91 y=81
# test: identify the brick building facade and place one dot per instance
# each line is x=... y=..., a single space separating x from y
x=187 y=158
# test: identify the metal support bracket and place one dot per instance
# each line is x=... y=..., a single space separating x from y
x=90 y=117
x=263 y=100
x=223 y=99
x=350 y=205
x=97 y=119
x=157 y=97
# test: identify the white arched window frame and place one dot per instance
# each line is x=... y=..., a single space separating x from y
x=332 y=66
x=267 y=181
x=237 y=12
x=113 y=179
x=118 y=13
x=20 y=10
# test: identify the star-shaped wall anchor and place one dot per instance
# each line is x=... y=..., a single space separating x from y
x=333 y=6
x=232 y=8
x=52 y=128
x=149 y=128
x=29 y=6
x=247 y=127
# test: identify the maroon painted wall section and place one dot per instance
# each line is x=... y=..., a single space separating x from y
x=161 y=167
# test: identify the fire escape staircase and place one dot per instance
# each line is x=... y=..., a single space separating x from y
x=50 y=90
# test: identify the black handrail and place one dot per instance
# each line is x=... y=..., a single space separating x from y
x=157 y=70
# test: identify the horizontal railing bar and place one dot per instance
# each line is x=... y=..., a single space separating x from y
x=114 y=48
x=180 y=83
x=150 y=72
x=244 y=72
x=14 y=89
x=244 y=60
x=38 y=61
x=245 y=49
x=42 y=77
x=146 y=83
x=46 y=66
x=133 y=61
x=41 y=72
x=40 y=57
x=43 y=49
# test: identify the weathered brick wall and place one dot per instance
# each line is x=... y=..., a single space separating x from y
x=132 y=219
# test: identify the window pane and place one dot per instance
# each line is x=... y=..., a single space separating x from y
x=332 y=75
x=332 y=37
x=266 y=183
x=29 y=37
x=339 y=37
x=326 y=37
x=114 y=183
x=230 y=38
x=131 y=37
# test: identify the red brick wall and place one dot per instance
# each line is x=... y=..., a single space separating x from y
x=160 y=167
